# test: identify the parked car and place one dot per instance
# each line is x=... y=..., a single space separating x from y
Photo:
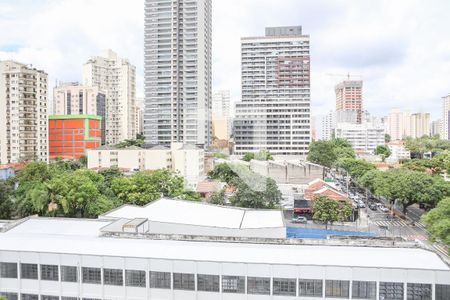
x=299 y=219
x=373 y=206
x=361 y=204
x=384 y=208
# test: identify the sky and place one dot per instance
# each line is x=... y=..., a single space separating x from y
x=401 y=48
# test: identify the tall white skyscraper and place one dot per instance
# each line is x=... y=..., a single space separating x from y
x=445 y=118
x=327 y=127
x=117 y=78
x=221 y=106
x=23 y=113
x=275 y=110
x=178 y=71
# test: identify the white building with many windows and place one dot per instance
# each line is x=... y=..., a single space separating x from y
x=132 y=254
x=274 y=113
x=178 y=76
x=23 y=113
x=363 y=137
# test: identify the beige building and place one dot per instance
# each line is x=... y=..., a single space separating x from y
x=400 y=125
x=23 y=113
x=117 y=77
x=139 y=115
x=186 y=160
x=221 y=115
x=445 y=118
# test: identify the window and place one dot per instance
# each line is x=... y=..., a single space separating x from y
x=233 y=284
x=391 y=290
x=183 y=281
x=10 y=296
x=49 y=272
x=8 y=270
x=364 y=289
x=442 y=291
x=208 y=283
x=160 y=280
x=310 y=287
x=418 y=291
x=113 y=276
x=284 y=286
x=69 y=298
x=44 y=297
x=135 y=278
x=29 y=297
x=28 y=271
x=258 y=285
x=69 y=274
x=337 y=288
x=92 y=275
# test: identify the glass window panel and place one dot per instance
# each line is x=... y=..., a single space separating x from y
x=10 y=296
x=233 y=284
x=113 y=276
x=208 y=283
x=91 y=275
x=391 y=290
x=442 y=291
x=29 y=271
x=69 y=274
x=8 y=270
x=284 y=286
x=135 y=278
x=310 y=287
x=160 y=280
x=183 y=281
x=49 y=272
x=46 y=297
x=258 y=285
x=337 y=288
x=418 y=291
x=364 y=289
x=29 y=296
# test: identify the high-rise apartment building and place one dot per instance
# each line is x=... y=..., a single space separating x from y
x=328 y=123
x=75 y=99
x=139 y=118
x=275 y=110
x=400 y=125
x=221 y=115
x=117 y=78
x=23 y=113
x=178 y=72
x=349 y=97
x=419 y=124
x=445 y=132
x=436 y=127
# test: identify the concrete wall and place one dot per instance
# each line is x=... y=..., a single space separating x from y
x=287 y=172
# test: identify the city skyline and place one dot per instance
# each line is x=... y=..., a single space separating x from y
x=405 y=66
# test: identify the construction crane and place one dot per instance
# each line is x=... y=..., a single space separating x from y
x=344 y=75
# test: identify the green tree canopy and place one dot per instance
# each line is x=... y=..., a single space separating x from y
x=355 y=167
x=383 y=150
x=248 y=156
x=327 y=210
x=261 y=192
x=6 y=205
x=222 y=172
x=217 y=197
x=437 y=221
x=328 y=153
x=263 y=154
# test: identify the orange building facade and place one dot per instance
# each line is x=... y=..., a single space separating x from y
x=70 y=135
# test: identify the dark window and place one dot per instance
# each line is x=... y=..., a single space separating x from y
x=69 y=274
x=160 y=280
x=208 y=283
x=391 y=290
x=258 y=285
x=113 y=276
x=233 y=284
x=310 y=287
x=45 y=297
x=8 y=270
x=364 y=289
x=337 y=288
x=284 y=286
x=418 y=291
x=29 y=297
x=49 y=272
x=69 y=103
x=442 y=291
x=135 y=278
x=10 y=296
x=69 y=298
x=183 y=281
x=92 y=275
x=80 y=110
x=29 y=271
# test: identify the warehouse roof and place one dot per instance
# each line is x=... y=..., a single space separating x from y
x=79 y=236
x=200 y=214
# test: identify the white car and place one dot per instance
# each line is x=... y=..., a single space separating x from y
x=383 y=208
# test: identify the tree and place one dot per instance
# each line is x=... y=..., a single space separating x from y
x=383 y=150
x=262 y=192
x=220 y=155
x=355 y=167
x=327 y=210
x=263 y=154
x=248 y=156
x=322 y=153
x=387 y=138
x=218 y=197
x=83 y=160
x=222 y=172
x=368 y=179
x=437 y=221
x=6 y=205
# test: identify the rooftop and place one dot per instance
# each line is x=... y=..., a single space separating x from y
x=80 y=236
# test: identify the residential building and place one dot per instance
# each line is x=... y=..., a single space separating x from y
x=436 y=127
x=400 y=125
x=23 y=113
x=274 y=113
x=173 y=249
x=398 y=152
x=445 y=124
x=349 y=97
x=72 y=98
x=139 y=115
x=363 y=137
x=221 y=115
x=185 y=159
x=178 y=72
x=117 y=78
x=420 y=124
x=327 y=126
x=7 y=171
x=70 y=135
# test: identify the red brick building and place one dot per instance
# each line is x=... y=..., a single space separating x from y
x=70 y=135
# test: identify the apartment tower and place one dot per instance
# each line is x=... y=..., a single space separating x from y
x=178 y=72
x=23 y=113
x=221 y=115
x=349 y=97
x=117 y=78
x=274 y=113
x=445 y=118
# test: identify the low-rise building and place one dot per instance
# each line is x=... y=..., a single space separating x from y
x=363 y=137
x=71 y=135
x=6 y=171
x=398 y=152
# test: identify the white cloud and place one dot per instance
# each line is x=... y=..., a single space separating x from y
x=401 y=48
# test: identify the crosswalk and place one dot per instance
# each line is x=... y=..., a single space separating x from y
x=390 y=223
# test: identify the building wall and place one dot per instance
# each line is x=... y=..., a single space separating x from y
x=178 y=72
x=275 y=110
x=247 y=270
x=117 y=77
x=23 y=113
x=157 y=159
x=349 y=97
x=400 y=124
x=445 y=118
x=363 y=137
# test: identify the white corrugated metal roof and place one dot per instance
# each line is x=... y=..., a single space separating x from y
x=79 y=237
